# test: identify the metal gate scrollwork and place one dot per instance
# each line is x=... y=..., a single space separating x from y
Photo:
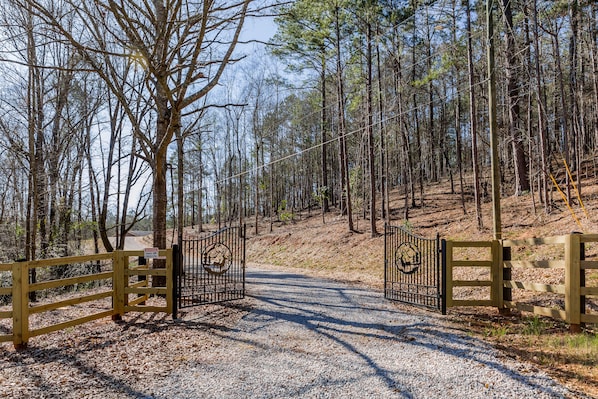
x=413 y=270
x=217 y=259
x=407 y=258
x=211 y=269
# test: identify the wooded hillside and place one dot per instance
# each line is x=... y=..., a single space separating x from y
x=351 y=99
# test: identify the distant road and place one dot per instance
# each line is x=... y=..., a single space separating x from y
x=134 y=243
x=131 y=243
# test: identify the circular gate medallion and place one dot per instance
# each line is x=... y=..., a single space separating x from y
x=407 y=258
x=217 y=259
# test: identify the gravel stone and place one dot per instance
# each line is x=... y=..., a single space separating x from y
x=314 y=338
x=293 y=336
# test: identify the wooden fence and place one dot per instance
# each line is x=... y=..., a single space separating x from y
x=119 y=284
x=553 y=284
x=480 y=255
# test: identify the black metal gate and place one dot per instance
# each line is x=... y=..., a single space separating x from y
x=212 y=269
x=413 y=270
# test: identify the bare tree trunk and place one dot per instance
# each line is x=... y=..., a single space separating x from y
x=435 y=152
x=577 y=121
x=32 y=113
x=92 y=188
x=54 y=150
x=519 y=159
x=418 y=140
x=594 y=62
x=370 y=133
x=385 y=207
x=473 y=123
x=404 y=150
x=325 y=128
x=344 y=161
x=38 y=195
x=544 y=170
x=271 y=197
x=458 y=139
x=160 y=192
x=257 y=188
x=180 y=186
x=529 y=116
x=241 y=197
x=564 y=117
x=200 y=208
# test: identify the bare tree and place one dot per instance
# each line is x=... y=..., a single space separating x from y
x=519 y=158
x=183 y=48
x=473 y=121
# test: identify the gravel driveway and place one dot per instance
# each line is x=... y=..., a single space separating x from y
x=292 y=337
x=312 y=338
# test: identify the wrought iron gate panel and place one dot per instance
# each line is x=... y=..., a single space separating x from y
x=212 y=268
x=413 y=272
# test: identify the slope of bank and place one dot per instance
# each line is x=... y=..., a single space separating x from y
x=329 y=249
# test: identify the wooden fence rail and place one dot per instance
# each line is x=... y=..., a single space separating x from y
x=119 y=286
x=454 y=262
x=585 y=266
x=5 y=291
x=567 y=261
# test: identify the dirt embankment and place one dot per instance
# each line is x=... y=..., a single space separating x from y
x=330 y=250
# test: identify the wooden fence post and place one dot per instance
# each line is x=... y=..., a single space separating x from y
x=169 y=285
x=506 y=293
x=582 y=277
x=118 y=285
x=582 y=281
x=573 y=282
x=496 y=274
x=449 y=274
x=176 y=268
x=442 y=275
x=20 y=304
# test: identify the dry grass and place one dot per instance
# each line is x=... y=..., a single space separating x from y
x=330 y=250
x=571 y=358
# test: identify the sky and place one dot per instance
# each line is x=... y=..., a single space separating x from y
x=261 y=29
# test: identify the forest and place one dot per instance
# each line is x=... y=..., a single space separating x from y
x=159 y=116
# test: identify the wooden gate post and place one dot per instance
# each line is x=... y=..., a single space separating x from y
x=20 y=304
x=573 y=282
x=174 y=278
x=449 y=273
x=118 y=285
x=443 y=276
x=505 y=293
x=169 y=283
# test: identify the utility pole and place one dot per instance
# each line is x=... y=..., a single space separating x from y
x=493 y=125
